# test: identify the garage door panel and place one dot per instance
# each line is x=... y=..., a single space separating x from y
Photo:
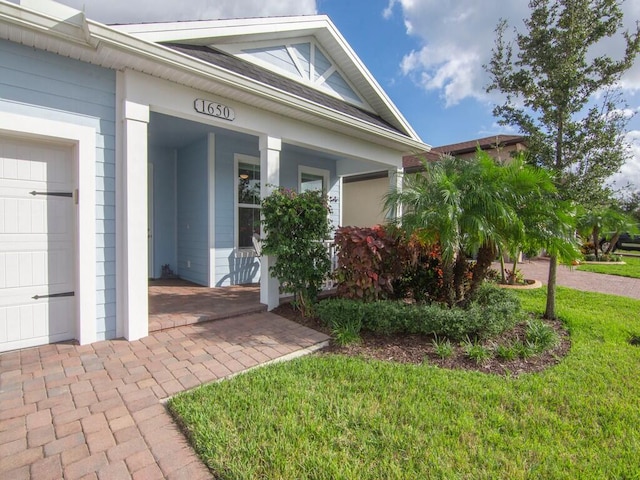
x=26 y=320
x=43 y=270
x=34 y=215
x=27 y=325
x=3 y=326
x=37 y=256
x=22 y=160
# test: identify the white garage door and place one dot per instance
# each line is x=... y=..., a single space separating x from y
x=37 y=262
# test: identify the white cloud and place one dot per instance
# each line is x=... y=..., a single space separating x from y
x=497 y=129
x=388 y=11
x=457 y=38
x=630 y=171
x=127 y=11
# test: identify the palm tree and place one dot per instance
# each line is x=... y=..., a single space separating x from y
x=596 y=221
x=475 y=206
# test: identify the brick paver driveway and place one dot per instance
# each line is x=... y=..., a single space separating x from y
x=95 y=411
x=586 y=281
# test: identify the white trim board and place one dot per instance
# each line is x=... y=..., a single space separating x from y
x=84 y=141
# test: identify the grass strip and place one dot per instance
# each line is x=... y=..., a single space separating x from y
x=631 y=269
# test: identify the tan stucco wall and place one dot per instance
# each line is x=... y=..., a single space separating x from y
x=362 y=202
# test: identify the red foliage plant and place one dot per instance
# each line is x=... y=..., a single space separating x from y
x=369 y=261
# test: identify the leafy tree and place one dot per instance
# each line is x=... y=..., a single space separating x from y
x=471 y=206
x=595 y=222
x=546 y=222
x=564 y=98
x=630 y=204
x=295 y=225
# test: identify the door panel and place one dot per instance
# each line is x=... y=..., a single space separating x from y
x=37 y=255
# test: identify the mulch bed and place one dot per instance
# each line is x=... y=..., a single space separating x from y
x=418 y=349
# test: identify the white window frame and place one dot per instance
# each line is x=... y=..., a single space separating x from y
x=238 y=159
x=320 y=172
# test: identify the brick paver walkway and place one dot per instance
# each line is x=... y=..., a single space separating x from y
x=174 y=303
x=586 y=281
x=94 y=412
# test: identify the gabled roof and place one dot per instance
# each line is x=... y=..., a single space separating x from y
x=414 y=162
x=262 y=75
x=223 y=35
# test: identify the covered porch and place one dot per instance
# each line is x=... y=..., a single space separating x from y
x=197 y=211
x=177 y=302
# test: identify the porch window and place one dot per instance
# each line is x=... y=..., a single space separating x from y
x=310 y=178
x=247 y=200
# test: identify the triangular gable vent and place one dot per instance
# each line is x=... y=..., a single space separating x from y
x=306 y=63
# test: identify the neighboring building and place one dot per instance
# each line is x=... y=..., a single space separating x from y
x=500 y=147
x=363 y=195
x=126 y=148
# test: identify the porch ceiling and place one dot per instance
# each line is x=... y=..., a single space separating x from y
x=173 y=132
x=167 y=131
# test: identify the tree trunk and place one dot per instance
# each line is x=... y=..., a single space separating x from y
x=514 y=276
x=613 y=242
x=459 y=273
x=596 y=241
x=486 y=254
x=448 y=283
x=550 y=312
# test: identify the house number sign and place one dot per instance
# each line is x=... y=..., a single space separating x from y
x=214 y=109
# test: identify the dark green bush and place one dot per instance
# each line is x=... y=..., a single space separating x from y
x=493 y=311
x=385 y=317
x=295 y=224
x=340 y=310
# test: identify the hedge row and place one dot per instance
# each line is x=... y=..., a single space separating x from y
x=493 y=311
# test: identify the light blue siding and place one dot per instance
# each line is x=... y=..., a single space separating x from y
x=192 y=227
x=232 y=266
x=45 y=85
x=165 y=249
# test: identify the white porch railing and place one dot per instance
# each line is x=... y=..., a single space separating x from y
x=330 y=282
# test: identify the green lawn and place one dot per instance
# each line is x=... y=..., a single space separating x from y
x=331 y=417
x=631 y=269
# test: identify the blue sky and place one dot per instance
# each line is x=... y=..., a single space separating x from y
x=426 y=54
x=382 y=44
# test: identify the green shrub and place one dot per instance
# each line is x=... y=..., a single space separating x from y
x=339 y=309
x=506 y=352
x=604 y=257
x=525 y=349
x=541 y=336
x=295 y=224
x=442 y=347
x=494 y=311
x=346 y=331
x=476 y=351
x=490 y=294
x=385 y=317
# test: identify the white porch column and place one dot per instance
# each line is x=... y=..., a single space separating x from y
x=131 y=275
x=269 y=179
x=211 y=189
x=396 y=176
